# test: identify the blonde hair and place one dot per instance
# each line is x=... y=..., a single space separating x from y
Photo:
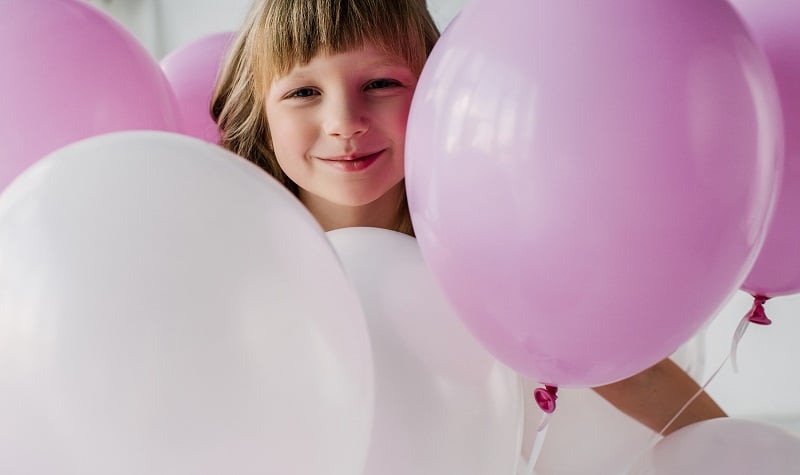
x=279 y=34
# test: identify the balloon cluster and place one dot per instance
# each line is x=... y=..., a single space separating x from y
x=589 y=183
x=166 y=307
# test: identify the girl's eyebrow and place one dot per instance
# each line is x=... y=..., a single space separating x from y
x=394 y=63
x=304 y=72
x=295 y=74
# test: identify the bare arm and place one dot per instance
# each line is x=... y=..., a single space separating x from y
x=655 y=395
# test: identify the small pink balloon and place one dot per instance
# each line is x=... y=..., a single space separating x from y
x=774 y=24
x=591 y=181
x=192 y=70
x=71 y=72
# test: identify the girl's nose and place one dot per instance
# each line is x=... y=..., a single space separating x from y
x=346 y=119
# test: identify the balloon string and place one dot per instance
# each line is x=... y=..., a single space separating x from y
x=538 y=443
x=546 y=400
x=737 y=336
x=635 y=466
x=756 y=315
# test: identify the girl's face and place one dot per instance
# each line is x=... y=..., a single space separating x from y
x=338 y=125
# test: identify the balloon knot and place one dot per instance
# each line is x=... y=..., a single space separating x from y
x=757 y=314
x=546 y=398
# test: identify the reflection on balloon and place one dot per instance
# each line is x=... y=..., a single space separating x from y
x=156 y=317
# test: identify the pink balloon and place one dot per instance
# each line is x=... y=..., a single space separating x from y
x=590 y=181
x=71 y=72
x=774 y=24
x=192 y=70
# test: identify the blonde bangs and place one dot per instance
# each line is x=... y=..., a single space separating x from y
x=294 y=31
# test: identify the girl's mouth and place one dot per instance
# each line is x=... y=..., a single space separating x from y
x=353 y=163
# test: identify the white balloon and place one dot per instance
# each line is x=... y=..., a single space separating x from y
x=725 y=446
x=168 y=308
x=443 y=404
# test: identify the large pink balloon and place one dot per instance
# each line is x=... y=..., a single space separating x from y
x=590 y=181
x=192 y=70
x=71 y=72
x=774 y=24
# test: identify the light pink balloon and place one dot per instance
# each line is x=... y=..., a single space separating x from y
x=774 y=24
x=192 y=70
x=590 y=181
x=71 y=72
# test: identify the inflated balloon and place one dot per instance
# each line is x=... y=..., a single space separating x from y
x=726 y=445
x=443 y=404
x=590 y=181
x=774 y=25
x=192 y=71
x=71 y=72
x=168 y=308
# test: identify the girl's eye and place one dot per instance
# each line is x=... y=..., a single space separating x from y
x=383 y=84
x=302 y=92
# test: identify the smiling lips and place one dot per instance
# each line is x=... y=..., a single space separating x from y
x=352 y=163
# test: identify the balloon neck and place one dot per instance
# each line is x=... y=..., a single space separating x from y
x=546 y=398
x=757 y=314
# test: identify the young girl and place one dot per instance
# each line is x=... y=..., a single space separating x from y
x=317 y=93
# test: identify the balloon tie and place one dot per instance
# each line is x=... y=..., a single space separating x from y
x=546 y=398
x=756 y=315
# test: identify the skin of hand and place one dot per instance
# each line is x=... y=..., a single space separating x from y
x=655 y=395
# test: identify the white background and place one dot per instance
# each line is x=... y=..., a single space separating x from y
x=164 y=25
x=767 y=386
